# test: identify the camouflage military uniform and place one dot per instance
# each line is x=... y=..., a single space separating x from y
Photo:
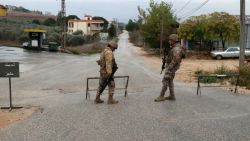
x=172 y=65
x=106 y=63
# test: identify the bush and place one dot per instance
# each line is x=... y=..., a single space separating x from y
x=75 y=40
x=245 y=77
x=23 y=38
x=50 y=22
x=205 y=79
x=78 y=32
x=88 y=39
x=36 y=22
x=136 y=38
x=54 y=37
x=224 y=70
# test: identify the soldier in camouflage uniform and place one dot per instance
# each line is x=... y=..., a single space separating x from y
x=106 y=63
x=172 y=65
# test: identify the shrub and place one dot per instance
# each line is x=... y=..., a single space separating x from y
x=245 y=77
x=54 y=37
x=78 y=32
x=50 y=22
x=223 y=70
x=36 y=21
x=88 y=38
x=23 y=38
x=75 y=40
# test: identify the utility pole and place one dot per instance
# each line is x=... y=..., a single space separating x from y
x=242 y=34
x=63 y=24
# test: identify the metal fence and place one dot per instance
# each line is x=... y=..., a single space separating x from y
x=126 y=79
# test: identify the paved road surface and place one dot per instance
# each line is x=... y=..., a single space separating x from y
x=56 y=83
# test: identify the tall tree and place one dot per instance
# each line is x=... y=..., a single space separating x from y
x=50 y=22
x=105 y=24
x=132 y=25
x=216 y=26
x=157 y=16
x=224 y=26
x=72 y=17
x=112 y=31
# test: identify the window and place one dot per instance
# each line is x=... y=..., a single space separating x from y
x=71 y=24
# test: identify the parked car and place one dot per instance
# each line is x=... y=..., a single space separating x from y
x=230 y=52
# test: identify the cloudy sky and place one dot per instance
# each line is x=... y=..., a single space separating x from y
x=123 y=10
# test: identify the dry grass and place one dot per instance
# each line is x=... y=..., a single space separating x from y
x=87 y=49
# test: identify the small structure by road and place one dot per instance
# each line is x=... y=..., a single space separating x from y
x=36 y=37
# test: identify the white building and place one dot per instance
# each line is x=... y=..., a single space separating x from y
x=87 y=25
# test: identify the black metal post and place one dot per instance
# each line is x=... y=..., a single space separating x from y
x=87 y=89
x=126 y=87
x=237 y=82
x=10 y=93
x=198 y=84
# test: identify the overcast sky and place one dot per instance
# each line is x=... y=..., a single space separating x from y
x=124 y=10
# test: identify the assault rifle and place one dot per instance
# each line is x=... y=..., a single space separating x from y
x=104 y=85
x=164 y=59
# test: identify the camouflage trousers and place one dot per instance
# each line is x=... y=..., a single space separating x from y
x=168 y=82
x=111 y=84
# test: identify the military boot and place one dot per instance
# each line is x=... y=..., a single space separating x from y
x=111 y=99
x=161 y=97
x=170 y=97
x=98 y=99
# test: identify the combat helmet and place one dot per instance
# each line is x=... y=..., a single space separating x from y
x=173 y=37
x=113 y=44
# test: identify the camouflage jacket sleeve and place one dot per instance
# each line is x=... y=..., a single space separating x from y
x=175 y=60
x=109 y=60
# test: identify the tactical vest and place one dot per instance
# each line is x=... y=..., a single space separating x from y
x=102 y=61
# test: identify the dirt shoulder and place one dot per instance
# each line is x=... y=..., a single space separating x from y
x=191 y=64
x=8 y=117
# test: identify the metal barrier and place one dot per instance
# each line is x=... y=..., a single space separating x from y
x=88 y=89
x=199 y=77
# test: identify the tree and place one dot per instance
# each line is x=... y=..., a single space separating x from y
x=112 y=31
x=36 y=21
x=50 y=22
x=131 y=26
x=72 y=17
x=60 y=19
x=195 y=28
x=224 y=26
x=157 y=16
x=105 y=24
x=215 y=26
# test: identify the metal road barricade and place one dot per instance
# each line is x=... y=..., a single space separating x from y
x=223 y=76
x=115 y=77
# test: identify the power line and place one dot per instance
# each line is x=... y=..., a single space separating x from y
x=194 y=10
x=178 y=11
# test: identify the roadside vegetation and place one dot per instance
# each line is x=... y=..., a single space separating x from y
x=12 y=33
x=244 y=78
x=204 y=33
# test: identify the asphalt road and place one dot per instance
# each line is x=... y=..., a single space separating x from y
x=57 y=82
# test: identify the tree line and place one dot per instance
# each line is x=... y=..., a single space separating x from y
x=13 y=30
x=160 y=18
